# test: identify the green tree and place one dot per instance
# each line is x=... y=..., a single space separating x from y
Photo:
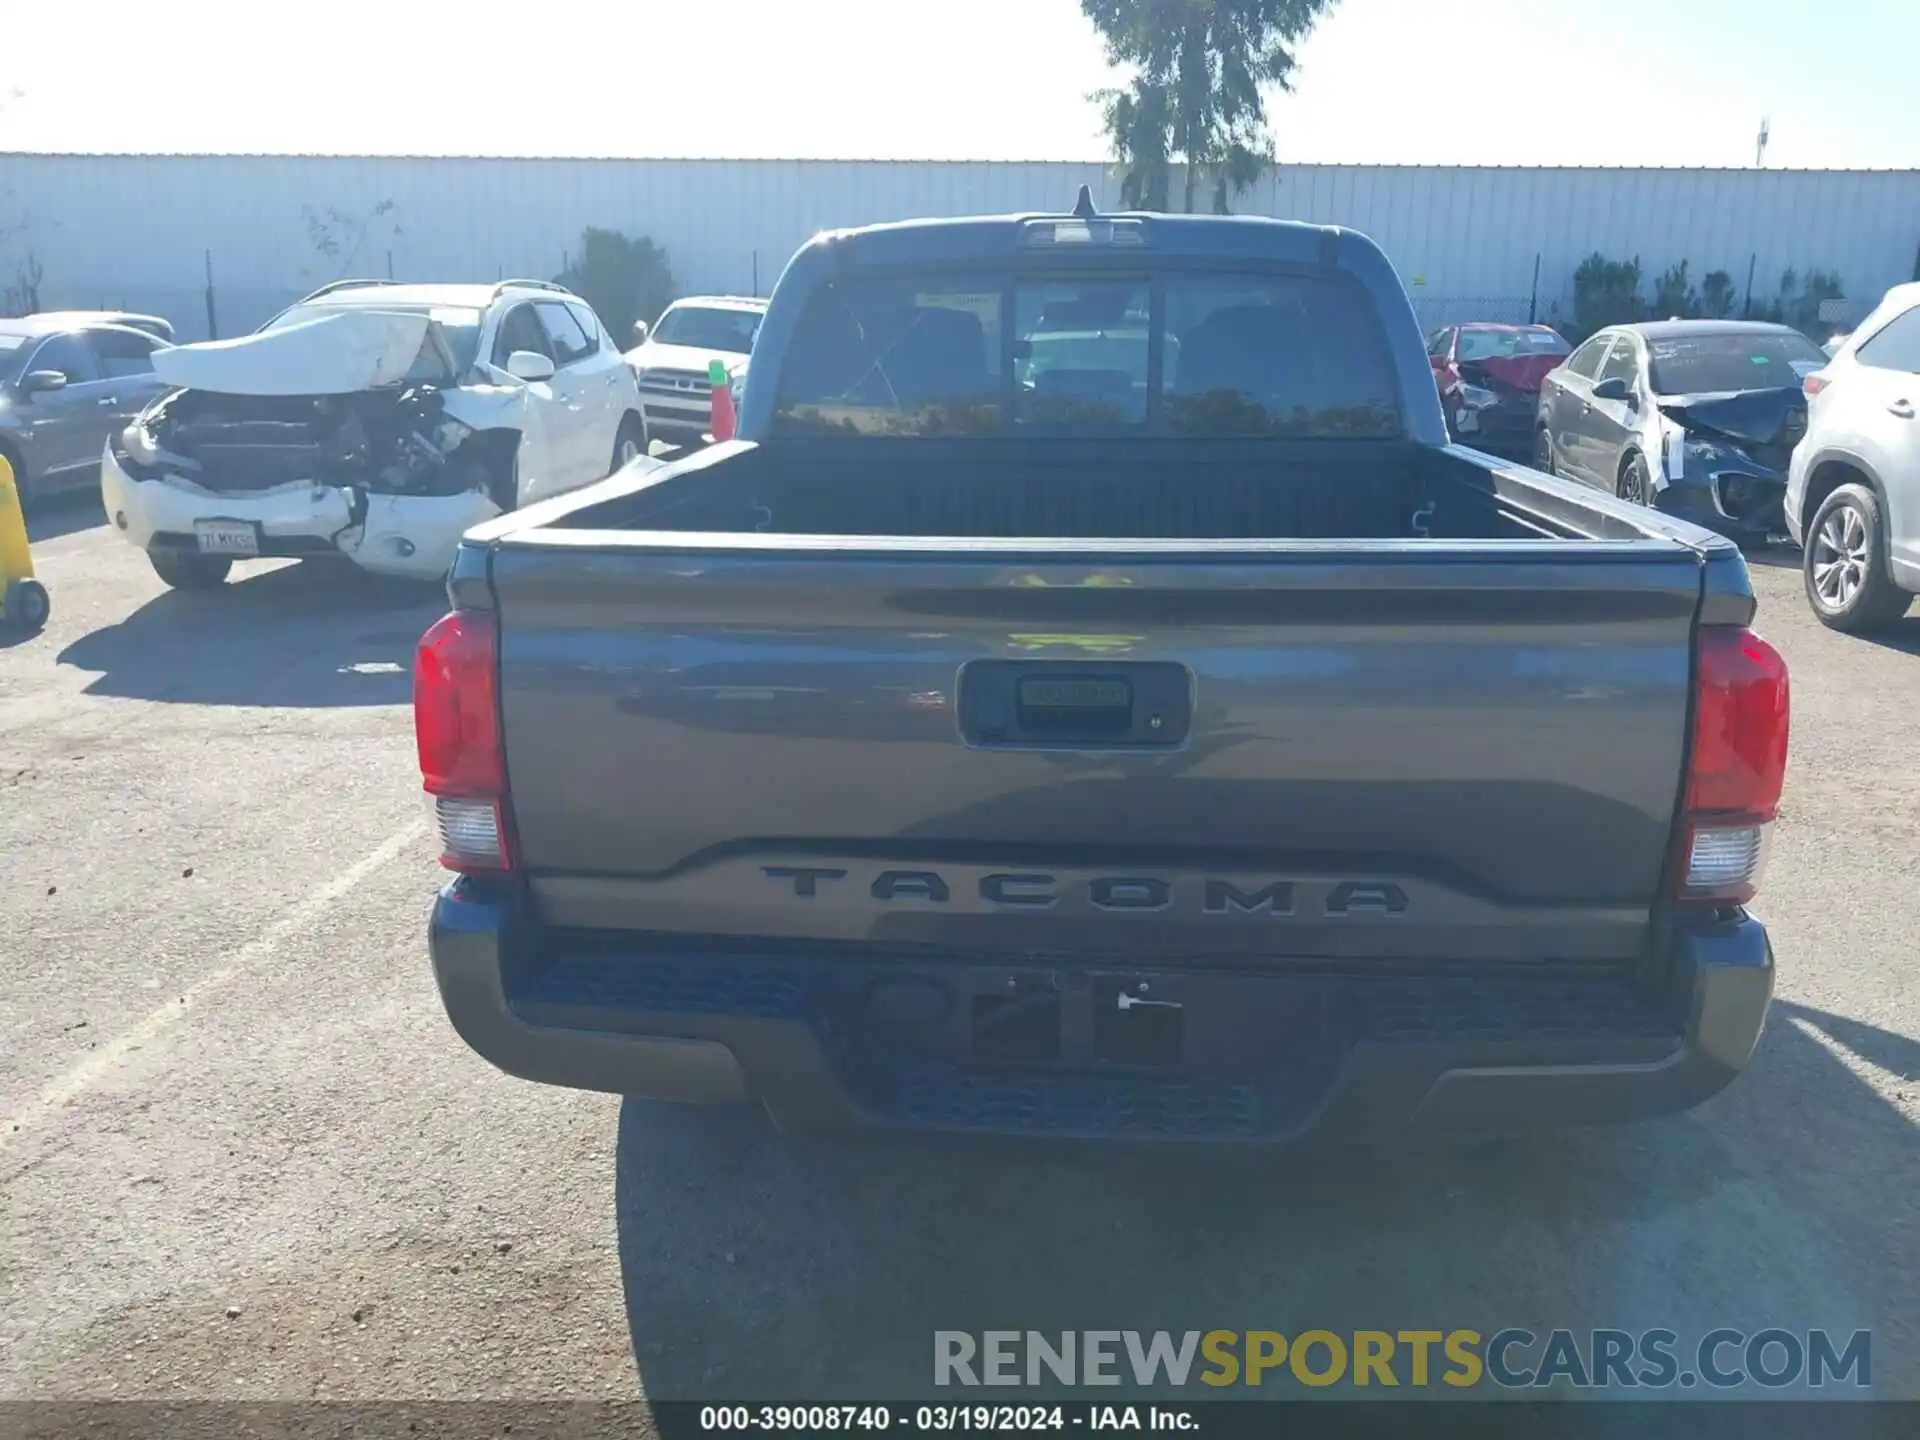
x=1197 y=93
x=622 y=277
x=1717 y=297
x=1605 y=292
x=1673 y=296
x=1798 y=303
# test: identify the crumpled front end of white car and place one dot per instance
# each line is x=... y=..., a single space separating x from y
x=385 y=477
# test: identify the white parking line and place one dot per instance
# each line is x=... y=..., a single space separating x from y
x=98 y=1063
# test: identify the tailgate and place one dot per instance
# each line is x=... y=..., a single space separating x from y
x=1177 y=749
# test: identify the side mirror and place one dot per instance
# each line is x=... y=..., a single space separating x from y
x=38 y=381
x=1612 y=388
x=529 y=365
x=640 y=332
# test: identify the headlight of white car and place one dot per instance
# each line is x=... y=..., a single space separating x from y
x=138 y=442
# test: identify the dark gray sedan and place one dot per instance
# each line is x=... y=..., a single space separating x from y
x=1694 y=417
x=64 y=388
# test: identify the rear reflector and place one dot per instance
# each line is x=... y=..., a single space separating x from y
x=472 y=835
x=1726 y=861
x=456 y=720
x=1736 y=764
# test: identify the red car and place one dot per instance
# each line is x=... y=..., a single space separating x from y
x=1489 y=379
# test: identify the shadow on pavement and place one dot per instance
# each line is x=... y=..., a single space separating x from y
x=1772 y=557
x=316 y=633
x=60 y=515
x=767 y=1266
x=1903 y=636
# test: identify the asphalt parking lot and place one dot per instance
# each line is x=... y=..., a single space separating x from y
x=243 y=1156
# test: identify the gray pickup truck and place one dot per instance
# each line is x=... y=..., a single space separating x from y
x=1093 y=698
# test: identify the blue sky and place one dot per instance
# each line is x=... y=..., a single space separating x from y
x=1497 y=82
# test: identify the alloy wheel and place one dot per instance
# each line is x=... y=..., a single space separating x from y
x=1840 y=557
x=1633 y=483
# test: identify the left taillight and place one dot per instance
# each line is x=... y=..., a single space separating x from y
x=456 y=720
x=1736 y=765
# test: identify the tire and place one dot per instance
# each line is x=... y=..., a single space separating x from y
x=1543 y=451
x=186 y=571
x=1632 y=485
x=27 y=606
x=630 y=444
x=1844 y=564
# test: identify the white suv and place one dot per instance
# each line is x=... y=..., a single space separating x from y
x=373 y=420
x=1853 y=489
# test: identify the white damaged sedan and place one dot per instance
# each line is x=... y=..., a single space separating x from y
x=374 y=421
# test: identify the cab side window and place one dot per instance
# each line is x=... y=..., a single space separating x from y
x=70 y=355
x=589 y=323
x=1623 y=363
x=1896 y=346
x=1585 y=361
x=123 y=353
x=520 y=330
x=570 y=344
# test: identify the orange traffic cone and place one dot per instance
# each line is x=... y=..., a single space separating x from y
x=721 y=426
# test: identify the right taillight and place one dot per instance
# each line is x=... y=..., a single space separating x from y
x=1736 y=765
x=456 y=719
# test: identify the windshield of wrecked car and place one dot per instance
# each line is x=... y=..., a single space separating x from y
x=1232 y=355
x=459 y=325
x=1510 y=344
x=1704 y=364
x=704 y=328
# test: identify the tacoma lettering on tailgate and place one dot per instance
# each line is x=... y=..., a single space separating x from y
x=1114 y=893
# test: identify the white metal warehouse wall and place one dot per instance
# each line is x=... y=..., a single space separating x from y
x=138 y=230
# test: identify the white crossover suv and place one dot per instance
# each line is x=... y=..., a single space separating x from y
x=1853 y=488
x=373 y=420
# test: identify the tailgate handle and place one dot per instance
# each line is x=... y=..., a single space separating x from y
x=1075 y=705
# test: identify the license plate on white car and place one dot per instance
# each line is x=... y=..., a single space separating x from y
x=227 y=537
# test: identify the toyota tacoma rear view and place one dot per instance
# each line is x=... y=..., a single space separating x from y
x=1093 y=698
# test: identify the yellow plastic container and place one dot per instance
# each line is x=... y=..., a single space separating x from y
x=24 y=604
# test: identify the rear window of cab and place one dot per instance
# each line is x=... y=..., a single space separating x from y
x=1257 y=355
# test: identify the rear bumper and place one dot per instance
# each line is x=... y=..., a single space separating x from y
x=1504 y=429
x=1375 y=1057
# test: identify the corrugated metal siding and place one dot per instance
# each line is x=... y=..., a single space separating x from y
x=138 y=230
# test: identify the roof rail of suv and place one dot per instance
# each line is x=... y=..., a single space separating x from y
x=552 y=285
x=333 y=285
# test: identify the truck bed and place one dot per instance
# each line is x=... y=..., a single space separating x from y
x=1093 y=490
